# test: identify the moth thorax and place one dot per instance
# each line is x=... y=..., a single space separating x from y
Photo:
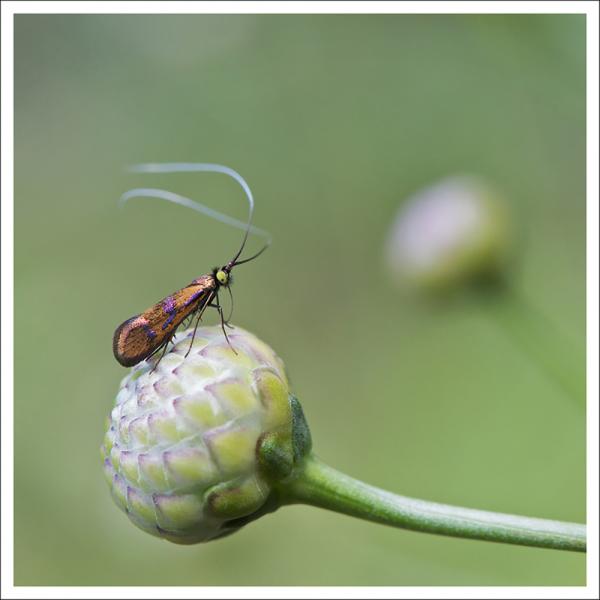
x=222 y=277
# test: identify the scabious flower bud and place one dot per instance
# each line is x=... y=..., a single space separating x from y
x=448 y=233
x=193 y=448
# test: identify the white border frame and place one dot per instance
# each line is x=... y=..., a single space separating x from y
x=9 y=9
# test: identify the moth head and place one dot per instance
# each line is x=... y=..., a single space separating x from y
x=223 y=276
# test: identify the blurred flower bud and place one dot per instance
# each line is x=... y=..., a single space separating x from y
x=192 y=449
x=446 y=234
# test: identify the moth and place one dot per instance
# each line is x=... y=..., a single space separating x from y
x=143 y=335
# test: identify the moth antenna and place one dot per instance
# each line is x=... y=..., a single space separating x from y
x=197 y=206
x=177 y=167
x=241 y=262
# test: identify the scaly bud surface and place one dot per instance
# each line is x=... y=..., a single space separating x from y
x=183 y=446
x=205 y=443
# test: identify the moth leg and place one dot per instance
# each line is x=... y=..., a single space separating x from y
x=194 y=334
x=164 y=346
x=200 y=313
x=223 y=322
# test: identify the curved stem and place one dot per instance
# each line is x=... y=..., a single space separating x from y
x=319 y=485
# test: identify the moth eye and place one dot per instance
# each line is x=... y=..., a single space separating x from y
x=222 y=277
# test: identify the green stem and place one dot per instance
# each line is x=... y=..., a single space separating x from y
x=320 y=485
x=538 y=337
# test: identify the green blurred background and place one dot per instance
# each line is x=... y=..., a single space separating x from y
x=333 y=120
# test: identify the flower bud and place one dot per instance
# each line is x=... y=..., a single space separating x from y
x=448 y=233
x=193 y=448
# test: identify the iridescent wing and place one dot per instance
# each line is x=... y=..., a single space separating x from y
x=140 y=336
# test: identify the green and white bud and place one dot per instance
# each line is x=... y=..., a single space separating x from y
x=192 y=449
x=448 y=233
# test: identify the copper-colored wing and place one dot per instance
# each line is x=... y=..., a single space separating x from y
x=140 y=336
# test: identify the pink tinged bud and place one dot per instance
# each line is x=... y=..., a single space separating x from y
x=182 y=444
x=446 y=233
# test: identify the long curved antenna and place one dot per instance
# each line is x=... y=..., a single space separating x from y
x=206 y=167
x=197 y=206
